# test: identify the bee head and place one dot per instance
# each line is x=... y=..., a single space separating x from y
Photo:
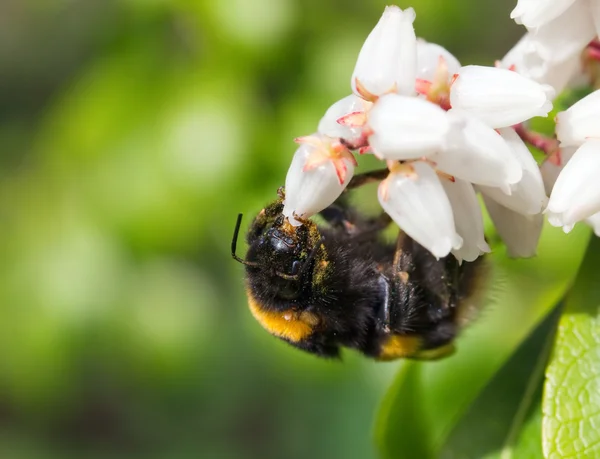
x=282 y=256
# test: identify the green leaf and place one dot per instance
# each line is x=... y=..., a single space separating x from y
x=431 y=397
x=571 y=405
x=510 y=396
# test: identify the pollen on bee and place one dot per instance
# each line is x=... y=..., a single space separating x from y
x=287 y=316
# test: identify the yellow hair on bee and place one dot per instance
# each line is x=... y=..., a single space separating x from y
x=290 y=325
x=398 y=347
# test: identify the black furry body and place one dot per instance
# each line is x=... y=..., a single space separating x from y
x=355 y=289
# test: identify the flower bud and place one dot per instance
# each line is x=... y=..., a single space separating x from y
x=428 y=60
x=527 y=196
x=580 y=121
x=320 y=171
x=536 y=13
x=388 y=58
x=499 y=97
x=525 y=59
x=521 y=233
x=576 y=194
x=552 y=166
x=330 y=126
x=405 y=127
x=477 y=153
x=567 y=34
x=467 y=218
x=415 y=199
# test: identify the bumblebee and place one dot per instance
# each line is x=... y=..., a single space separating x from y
x=324 y=287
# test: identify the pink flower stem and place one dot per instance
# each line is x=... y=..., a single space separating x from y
x=546 y=144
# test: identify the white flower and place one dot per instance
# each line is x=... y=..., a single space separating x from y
x=536 y=13
x=499 y=97
x=415 y=199
x=428 y=60
x=403 y=127
x=388 y=58
x=566 y=35
x=580 y=121
x=525 y=59
x=527 y=196
x=349 y=105
x=520 y=233
x=594 y=222
x=320 y=171
x=467 y=218
x=576 y=193
x=553 y=165
x=477 y=153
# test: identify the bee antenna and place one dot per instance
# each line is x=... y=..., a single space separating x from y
x=236 y=233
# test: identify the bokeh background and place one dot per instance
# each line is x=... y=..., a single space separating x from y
x=132 y=132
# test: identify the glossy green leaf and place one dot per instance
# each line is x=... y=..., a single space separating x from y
x=492 y=426
x=432 y=396
x=571 y=405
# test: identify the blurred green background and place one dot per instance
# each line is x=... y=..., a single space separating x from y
x=132 y=132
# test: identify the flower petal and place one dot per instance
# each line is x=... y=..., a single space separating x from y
x=467 y=218
x=536 y=13
x=428 y=60
x=551 y=168
x=388 y=58
x=329 y=124
x=576 y=193
x=309 y=190
x=580 y=121
x=477 y=153
x=527 y=196
x=499 y=97
x=417 y=202
x=406 y=127
x=520 y=233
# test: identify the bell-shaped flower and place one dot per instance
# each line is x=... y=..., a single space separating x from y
x=428 y=60
x=320 y=171
x=580 y=121
x=576 y=193
x=402 y=127
x=477 y=153
x=499 y=97
x=553 y=165
x=525 y=59
x=388 y=59
x=521 y=233
x=566 y=35
x=594 y=222
x=349 y=106
x=528 y=196
x=415 y=199
x=467 y=219
x=536 y=13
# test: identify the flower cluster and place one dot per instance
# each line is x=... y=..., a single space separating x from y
x=447 y=132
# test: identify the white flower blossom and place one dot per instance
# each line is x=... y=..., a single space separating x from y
x=526 y=59
x=553 y=166
x=320 y=171
x=467 y=218
x=576 y=194
x=499 y=97
x=428 y=60
x=415 y=199
x=477 y=153
x=580 y=121
x=330 y=126
x=528 y=195
x=536 y=13
x=403 y=127
x=567 y=34
x=521 y=233
x=388 y=59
